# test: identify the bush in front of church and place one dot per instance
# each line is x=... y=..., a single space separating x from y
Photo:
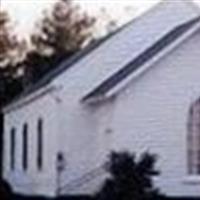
x=129 y=179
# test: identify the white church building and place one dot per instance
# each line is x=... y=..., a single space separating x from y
x=138 y=89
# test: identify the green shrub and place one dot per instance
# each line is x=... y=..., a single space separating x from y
x=129 y=179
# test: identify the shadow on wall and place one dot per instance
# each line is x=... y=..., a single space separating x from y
x=1 y=143
x=5 y=190
x=6 y=194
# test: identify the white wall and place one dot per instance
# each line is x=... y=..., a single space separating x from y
x=78 y=140
x=151 y=115
x=86 y=134
x=81 y=128
x=32 y=181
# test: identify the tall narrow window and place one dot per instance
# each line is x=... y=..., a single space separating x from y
x=12 y=148
x=25 y=147
x=40 y=144
x=194 y=139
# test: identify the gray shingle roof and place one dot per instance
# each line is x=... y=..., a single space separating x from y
x=147 y=55
x=66 y=64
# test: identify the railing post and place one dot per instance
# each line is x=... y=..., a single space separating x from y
x=60 y=166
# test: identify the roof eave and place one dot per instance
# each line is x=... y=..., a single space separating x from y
x=28 y=99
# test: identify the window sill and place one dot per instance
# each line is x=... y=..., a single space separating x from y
x=193 y=180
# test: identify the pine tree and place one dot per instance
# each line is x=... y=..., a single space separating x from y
x=61 y=33
x=11 y=52
x=11 y=49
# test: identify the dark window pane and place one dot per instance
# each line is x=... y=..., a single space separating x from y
x=40 y=145
x=12 y=148
x=193 y=139
x=25 y=147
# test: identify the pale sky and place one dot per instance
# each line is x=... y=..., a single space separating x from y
x=26 y=12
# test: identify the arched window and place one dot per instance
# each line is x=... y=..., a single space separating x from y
x=40 y=144
x=194 y=139
x=12 y=148
x=25 y=147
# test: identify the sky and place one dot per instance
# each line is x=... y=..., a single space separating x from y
x=25 y=13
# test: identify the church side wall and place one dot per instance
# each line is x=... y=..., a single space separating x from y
x=78 y=141
x=32 y=180
x=151 y=114
x=89 y=133
x=84 y=131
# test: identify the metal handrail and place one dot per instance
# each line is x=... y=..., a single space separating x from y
x=87 y=177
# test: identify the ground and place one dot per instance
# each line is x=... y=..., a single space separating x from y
x=18 y=197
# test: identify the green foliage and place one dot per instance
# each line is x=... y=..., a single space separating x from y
x=129 y=179
x=61 y=33
x=7 y=42
x=65 y=29
x=10 y=52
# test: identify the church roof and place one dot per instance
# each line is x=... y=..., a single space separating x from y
x=66 y=64
x=141 y=59
x=154 y=37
